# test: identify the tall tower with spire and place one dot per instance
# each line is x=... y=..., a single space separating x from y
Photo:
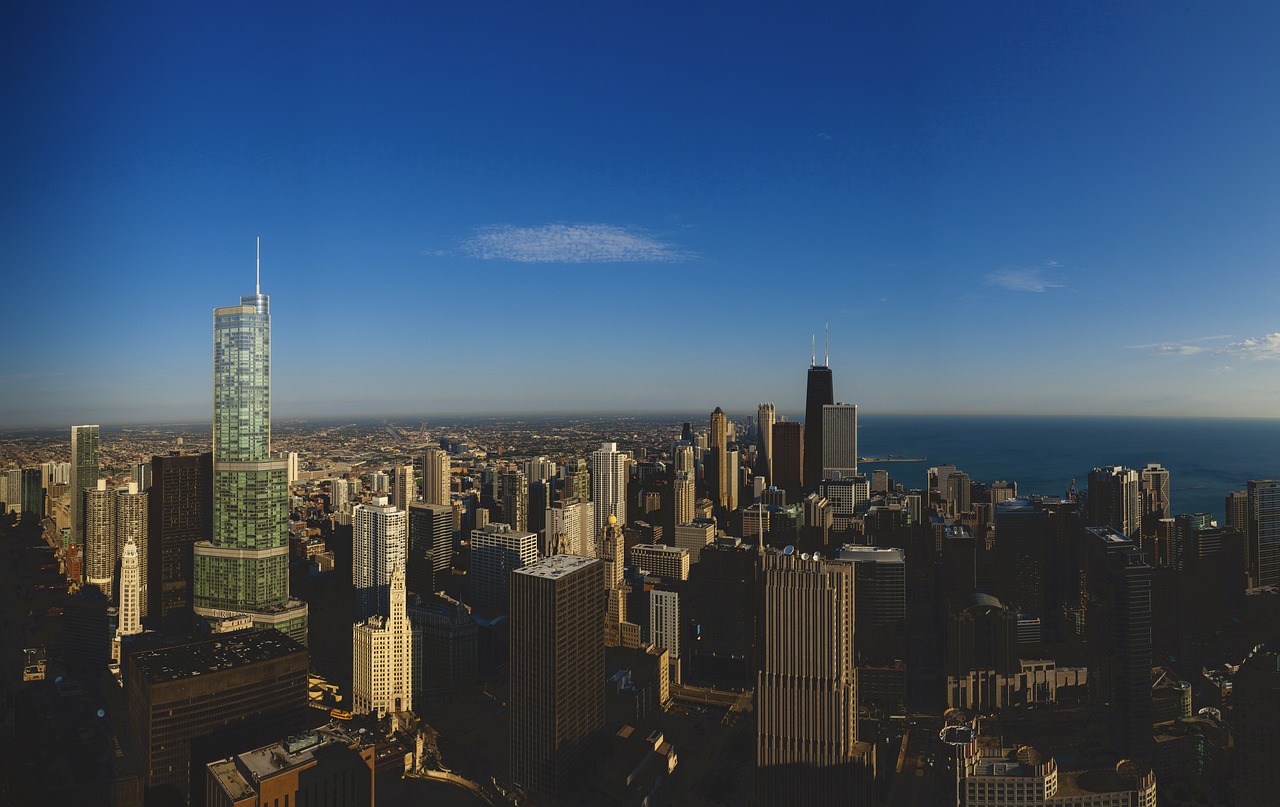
x=817 y=395
x=719 y=483
x=244 y=568
x=130 y=597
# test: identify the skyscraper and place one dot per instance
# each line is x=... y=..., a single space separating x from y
x=131 y=527
x=766 y=416
x=818 y=394
x=496 y=551
x=618 y=630
x=807 y=749
x=1256 y=691
x=718 y=482
x=1118 y=627
x=84 y=474
x=100 y=537
x=1264 y=532
x=570 y=529
x=435 y=476
x=789 y=447
x=557 y=670
x=1114 y=499
x=515 y=499
x=405 y=490
x=382 y=656
x=430 y=547
x=379 y=535
x=839 y=440
x=608 y=485
x=131 y=599
x=244 y=567
x=1153 y=484
x=180 y=512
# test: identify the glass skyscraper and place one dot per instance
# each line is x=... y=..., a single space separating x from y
x=244 y=568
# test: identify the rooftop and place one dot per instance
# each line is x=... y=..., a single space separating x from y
x=879 y=554
x=233 y=774
x=556 y=566
x=220 y=653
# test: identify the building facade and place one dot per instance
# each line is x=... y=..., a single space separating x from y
x=382 y=657
x=379 y=536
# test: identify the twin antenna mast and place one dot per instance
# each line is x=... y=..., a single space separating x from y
x=813 y=348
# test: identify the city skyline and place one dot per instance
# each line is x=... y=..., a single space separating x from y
x=1052 y=194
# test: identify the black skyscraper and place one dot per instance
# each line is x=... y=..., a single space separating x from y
x=180 y=512
x=818 y=395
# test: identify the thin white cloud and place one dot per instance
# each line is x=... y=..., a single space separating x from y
x=1033 y=279
x=569 y=243
x=1257 y=347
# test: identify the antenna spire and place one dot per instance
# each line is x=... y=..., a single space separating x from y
x=813 y=351
x=826 y=360
x=257 y=276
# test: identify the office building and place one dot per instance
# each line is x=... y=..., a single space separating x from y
x=379 y=544
x=570 y=529
x=618 y=629
x=839 y=440
x=1024 y=538
x=661 y=560
x=1153 y=487
x=130 y=619
x=99 y=513
x=32 y=493
x=1237 y=510
x=84 y=475
x=993 y=775
x=179 y=513
x=191 y=704
x=435 y=476
x=131 y=526
x=695 y=535
x=496 y=551
x=295 y=467
x=557 y=673
x=718 y=477
x=789 y=446
x=1118 y=627
x=430 y=561
x=818 y=393
x=1256 y=692
x=445 y=645
x=404 y=490
x=1115 y=500
x=880 y=601
x=244 y=568
x=766 y=416
x=515 y=499
x=1264 y=532
x=382 y=657
x=608 y=485
x=665 y=627
x=330 y=765
x=847 y=496
x=807 y=749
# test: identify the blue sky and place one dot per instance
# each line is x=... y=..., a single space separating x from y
x=494 y=207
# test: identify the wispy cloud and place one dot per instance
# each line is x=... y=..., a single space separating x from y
x=1257 y=347
x=1034 y=279
x=570 y=243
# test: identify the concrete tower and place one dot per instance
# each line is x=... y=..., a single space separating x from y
x=608 y=485
x=818 y=393
x=435 y=476
x=379 y=546
x=766 y=416
x=100 y=537
x=131 y=599
x=131 y=527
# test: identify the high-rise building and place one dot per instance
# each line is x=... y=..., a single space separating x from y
x=131 y=527
x=32 y=492
x=379 y=545
x=1256 y=692
x=84 y=475
x=570 y=529
x=1024 y=530
x=880 y=601
x=608 y=485
x=1237 y=510
x=1118 y=627
x=382 y=657
x=718 y=480
x=180 y=512
x=515 y=499
x=807 y=749
x=142 y=475
x=618 y=629
x=1115 y=500
x=1264 y=532
x=839 y=440
x=332 y=760
x=557 y=672
x=191 y=704
x=1153 y=486
x=100 y=537
x=684 y=495
x=766 y=416
x=847 y=496
x=789 y=447
x=661 y=560
x=295 y=467
x=539 y=468
x=665 y=626
x=496 y=551
x=404 y=491
x=695 y=535
x=131 y=598
x=244 y=568
x=435 y=476
x=818 y=393
x=430 y=547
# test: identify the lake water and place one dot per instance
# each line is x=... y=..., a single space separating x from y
x=1206 y=457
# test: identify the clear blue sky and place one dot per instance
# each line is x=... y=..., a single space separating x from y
x=526 y=207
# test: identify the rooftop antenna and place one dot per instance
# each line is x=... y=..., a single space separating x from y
x=257 y=276
x=826 y=360
x=813 y=351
